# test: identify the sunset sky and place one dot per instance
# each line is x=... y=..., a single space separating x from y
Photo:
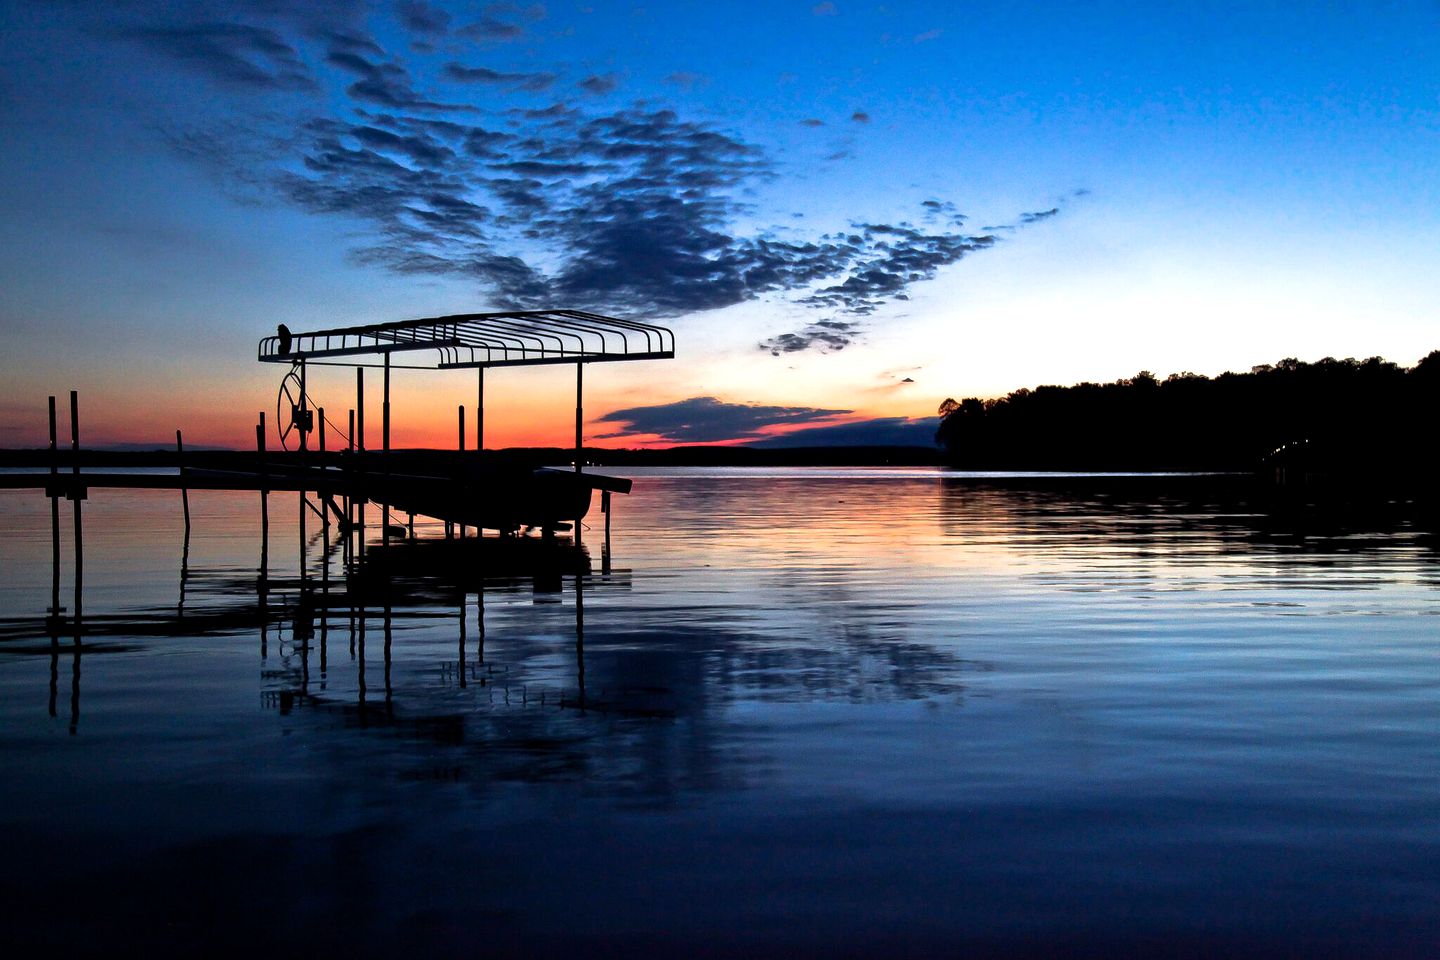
x=846 y=211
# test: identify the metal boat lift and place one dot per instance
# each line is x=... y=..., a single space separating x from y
x=474 y=341
x=465 y=341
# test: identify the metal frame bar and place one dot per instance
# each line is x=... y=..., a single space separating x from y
x=470 y=340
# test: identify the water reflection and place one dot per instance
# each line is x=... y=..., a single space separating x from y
x=817 y=712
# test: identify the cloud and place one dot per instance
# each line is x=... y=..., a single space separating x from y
x=531 y=82
x=599 y=83
x=887 y=259
x=232 y=54
x=1028 y=218
x=826 y=9
x=937 y=209
x=878 y=432
x=497 y=24
x=825 y=335
x=860 y=116
x=687 y=79
x=631 y=210
x=383 y=84
x=709 y=420
x=345 y=41
x=422 y=17
x=812 y=122
x=928 y=35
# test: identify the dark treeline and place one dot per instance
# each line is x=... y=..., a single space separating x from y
x=1336 y=414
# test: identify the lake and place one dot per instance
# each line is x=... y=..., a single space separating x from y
x=793 y=711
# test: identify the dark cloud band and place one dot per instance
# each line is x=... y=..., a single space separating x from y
x=708 y=420
x=630 y=211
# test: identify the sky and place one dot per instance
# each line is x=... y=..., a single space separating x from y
x=846 y=211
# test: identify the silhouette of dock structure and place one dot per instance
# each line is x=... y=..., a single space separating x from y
x=338 y=481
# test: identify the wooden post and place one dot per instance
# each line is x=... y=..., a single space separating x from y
x=77 y=494
x=264 y=503
x=304 y=408
x=184 y=491
x=461 y=460
x=349 y=502
x=359 y=431
x=579 y=417
x=360 y=448
x=385 y=448
x=304 y=464
x=579 y=420
x=480 y=414
x=324 y=508
x=54 y=518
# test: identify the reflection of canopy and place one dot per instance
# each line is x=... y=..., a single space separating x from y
x=483 y=340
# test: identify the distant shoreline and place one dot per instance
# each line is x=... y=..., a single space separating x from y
x=692 y=456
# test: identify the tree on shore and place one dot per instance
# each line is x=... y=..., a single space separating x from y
x=1364 y=412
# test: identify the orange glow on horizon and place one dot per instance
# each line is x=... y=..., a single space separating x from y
x=524 y=407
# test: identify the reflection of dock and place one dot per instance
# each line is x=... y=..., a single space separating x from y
x=461 y=490
x=337 y=481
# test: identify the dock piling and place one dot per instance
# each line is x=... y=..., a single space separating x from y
x=359 y=437
x=184 y=491
x=55 y=610
x=461 y=462
x=264 y=504
x=304 y=463
x=77 y=494
x=385 y=448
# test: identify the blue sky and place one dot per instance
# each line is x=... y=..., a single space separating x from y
x=846 y=211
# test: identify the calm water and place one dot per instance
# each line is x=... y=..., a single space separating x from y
x=845 y=711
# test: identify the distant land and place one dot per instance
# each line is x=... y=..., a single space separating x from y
x=1332 y=416
x=690 y=456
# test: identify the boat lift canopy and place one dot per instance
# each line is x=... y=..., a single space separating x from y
x=470 y=340
x=466 y=341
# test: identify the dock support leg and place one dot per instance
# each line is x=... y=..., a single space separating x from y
x=185 y=503
x=349 y=472
x=360 y=454
x=579 y=436
x=304 y=447
x=264 y=506
x=324 y=512
x=184 y=491
x=385 y=446
x=460 y=461
x=77 y=495
x=54 y=519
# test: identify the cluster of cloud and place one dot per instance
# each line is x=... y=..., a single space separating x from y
x=630 y=209
x=708 y=420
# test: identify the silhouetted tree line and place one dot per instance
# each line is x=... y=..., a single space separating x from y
x=1343 y=413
